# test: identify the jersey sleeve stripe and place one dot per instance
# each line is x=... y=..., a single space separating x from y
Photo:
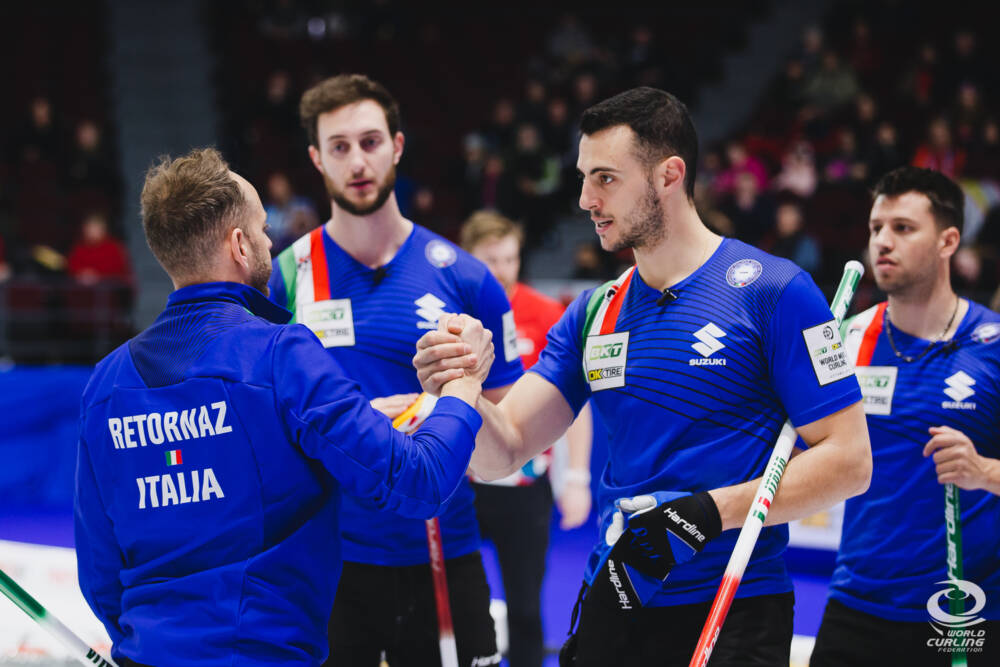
x=321 y=278
x=868 y=342
x=286 y=264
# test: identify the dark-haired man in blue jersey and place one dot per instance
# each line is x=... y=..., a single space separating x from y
x=216 y=446
x=694 y=359
x=369 y=283
x=929 y=366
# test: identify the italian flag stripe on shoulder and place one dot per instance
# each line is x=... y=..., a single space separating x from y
x=863 y=331
x=286 y=264
x=602 y=309
x=303 y=269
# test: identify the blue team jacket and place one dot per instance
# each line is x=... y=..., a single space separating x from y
x=213 y=451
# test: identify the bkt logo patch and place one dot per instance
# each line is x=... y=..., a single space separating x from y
x=708 y=344
x=959 y=388
x=606 y=351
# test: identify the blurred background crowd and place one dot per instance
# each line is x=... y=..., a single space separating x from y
x=490 y=103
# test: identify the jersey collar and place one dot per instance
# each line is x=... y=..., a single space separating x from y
x=238 y=293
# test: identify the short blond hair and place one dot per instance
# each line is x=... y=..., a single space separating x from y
x=488 y=226
x=188 y=206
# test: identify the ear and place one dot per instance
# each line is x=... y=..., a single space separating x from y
x=239 y=247
x=397 y=147
x=314 y=156
x=949 y=240
x=669 y=174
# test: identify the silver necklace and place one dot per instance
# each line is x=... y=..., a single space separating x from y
x=908 y=359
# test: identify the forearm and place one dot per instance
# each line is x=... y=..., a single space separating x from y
x=579 y=438
x=833 y=469
x=499 y=444
x=992 y=471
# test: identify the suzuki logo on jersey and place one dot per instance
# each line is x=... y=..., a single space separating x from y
x=959 y=388
x=708 y=344
x=430 y=309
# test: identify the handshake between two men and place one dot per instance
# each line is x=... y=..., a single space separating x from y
x=648 y=534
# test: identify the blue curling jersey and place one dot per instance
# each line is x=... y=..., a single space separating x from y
x=370 y=320
x=694 y=393
x=893 y=549
x=214 y=449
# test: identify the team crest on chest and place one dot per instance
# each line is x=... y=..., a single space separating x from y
x=440 y=254
x=986 y=333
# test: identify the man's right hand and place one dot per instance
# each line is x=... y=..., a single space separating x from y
x=460 y=346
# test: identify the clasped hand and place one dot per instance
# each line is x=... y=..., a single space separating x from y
x=460 y=347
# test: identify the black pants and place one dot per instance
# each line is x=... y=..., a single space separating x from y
x=850 y=637
x=757 y=632
x=392 y=609
x=517 y=519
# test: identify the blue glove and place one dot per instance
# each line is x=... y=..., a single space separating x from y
x=649 y=535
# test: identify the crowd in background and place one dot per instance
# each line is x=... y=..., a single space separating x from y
x=65 y=276
x=490 y=105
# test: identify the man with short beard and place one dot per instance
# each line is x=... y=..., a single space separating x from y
x=216 y=446
x=369 y=283
x=694 y=359
x=929 y=361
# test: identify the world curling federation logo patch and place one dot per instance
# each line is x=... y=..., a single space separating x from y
x=743 y=272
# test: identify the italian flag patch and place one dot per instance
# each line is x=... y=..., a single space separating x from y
x=174 y=457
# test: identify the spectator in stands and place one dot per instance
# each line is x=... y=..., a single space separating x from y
x=559 y=132
x=97 y=256
x=740 y=162
x=750 y=210
x=39 y=138
x=790 y=239
x=885 y=154
x=498 y=186
x=790 y=89
x=584 y=92
x=922 y=81
x=864 y=122
x=90 y=173
x=984 y=155
x=968 y=115
x=863 y=53
x=4 y=266
x=798 y=171
x=536 y=177
x=965 y=64
x=812 y=48
x=644 y=60
x=570 y=42
x=589 y=263
x=472 y=172
x=845 y=163
x=282 y=205
x=501 y=130
x=938 y=152
x=833 y=85
x=532 y=107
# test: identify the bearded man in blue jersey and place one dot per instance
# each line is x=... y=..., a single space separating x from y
x=216 y=447
x=929 y=365
x=694 y=359
x=369 y=283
